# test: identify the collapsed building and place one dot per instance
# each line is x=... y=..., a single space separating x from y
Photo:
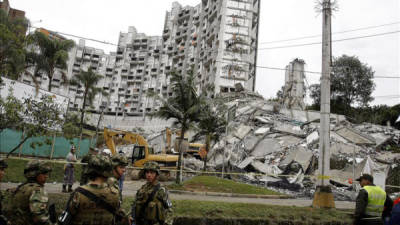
x=278 y=148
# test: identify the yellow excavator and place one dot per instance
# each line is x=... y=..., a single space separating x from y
x=141 y=152
x=193 y=149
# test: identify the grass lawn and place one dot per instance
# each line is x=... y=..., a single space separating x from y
x=221 y=210
x=15 y=171
x=215 y=184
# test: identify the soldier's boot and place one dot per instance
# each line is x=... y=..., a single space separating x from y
x=64 y=188
x=69 y=188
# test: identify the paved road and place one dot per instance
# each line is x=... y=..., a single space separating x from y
x=130 y=188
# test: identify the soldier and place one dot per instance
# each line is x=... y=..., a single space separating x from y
x=3 y=167
x=120 y=163
x=95 y=203
x=85 y=159
x=30 y=200
x=152 y=205
x=69 y=171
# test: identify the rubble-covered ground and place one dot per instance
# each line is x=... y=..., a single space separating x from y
x=278 y=148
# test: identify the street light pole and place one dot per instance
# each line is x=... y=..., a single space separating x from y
x=323 y=197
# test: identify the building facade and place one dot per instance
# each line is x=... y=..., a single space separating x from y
x=294 y=90
x=216 y=39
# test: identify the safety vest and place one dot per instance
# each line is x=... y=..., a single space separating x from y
x=376 y=201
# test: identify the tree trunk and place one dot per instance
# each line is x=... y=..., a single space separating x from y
x=16 y=147
x=208 y=139
x=49 y=87
x=179 y=174
x=81 y=123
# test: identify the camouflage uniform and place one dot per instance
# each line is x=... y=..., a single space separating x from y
x=117 y=160
x=84 y=178
x=159 y=209
x=3 y=219
x=30 y=200
x=113 y=182
x=84 y=210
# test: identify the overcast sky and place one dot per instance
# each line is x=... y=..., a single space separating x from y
x=280 y=20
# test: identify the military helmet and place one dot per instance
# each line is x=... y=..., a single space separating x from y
x=119 y=160
x=149 y=166
x=100 y=165
x=3 y=164
x=36 y=167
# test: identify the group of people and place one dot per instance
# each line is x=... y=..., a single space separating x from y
x=374 y=206
x=97 y=201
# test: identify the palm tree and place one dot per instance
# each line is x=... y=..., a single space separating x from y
x=88 y=80
x=183 y=107
x=52 y=54
x=211 y=125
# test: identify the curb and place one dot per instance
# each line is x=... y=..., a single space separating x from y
x=217 y=194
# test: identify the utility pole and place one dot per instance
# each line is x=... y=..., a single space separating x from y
x=323 y=197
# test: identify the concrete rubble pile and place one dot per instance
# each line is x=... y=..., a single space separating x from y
x=278 y=148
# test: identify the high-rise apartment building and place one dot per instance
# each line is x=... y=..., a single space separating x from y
x=216 y=38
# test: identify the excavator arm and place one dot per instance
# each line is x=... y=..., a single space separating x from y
x=132 y=138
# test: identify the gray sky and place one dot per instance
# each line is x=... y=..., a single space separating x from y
x=280 y=20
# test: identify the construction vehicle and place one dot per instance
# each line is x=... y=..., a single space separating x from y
x=192 y=148
x=141 y=152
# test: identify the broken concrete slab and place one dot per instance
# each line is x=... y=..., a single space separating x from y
x=262 y=130
x=245 y=110
x=250 y=142
x=242 y=131
x=337 y=137
x=388 y=158
x=312 y=138
x=355 y=137
x=245 y=162
x=300 y=155
x=381 y=138
x=287 y=141
x=265 y=147
x=265 y=168
x=289 y=129
x=263 y=120
x=343 y=148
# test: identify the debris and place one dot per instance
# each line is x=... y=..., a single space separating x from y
x=289 y=129
x=262 y=130
x=266 y=146
x=355 y=137
x=300 y=155
x=312 y=138
x=242 y=131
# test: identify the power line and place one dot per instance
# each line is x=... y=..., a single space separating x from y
x=387 y=96
x=76 y=36
x=262 y=67
x=338 y=40
x=339 y=32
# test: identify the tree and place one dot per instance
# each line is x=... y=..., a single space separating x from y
x=351 y=84
x=40 y=118
x=184 y=107
x=51 y=54
x=11 y=110
x=71 y=126
x=88 y=80
x=12 y=46
x=211 y=125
